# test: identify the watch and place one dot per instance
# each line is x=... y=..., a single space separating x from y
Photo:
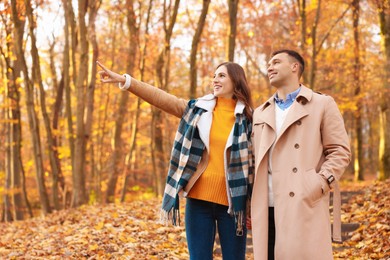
x=330 y=179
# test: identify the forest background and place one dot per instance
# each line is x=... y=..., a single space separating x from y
x=69 y=140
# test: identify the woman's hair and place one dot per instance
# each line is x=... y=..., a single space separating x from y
x=241 y=91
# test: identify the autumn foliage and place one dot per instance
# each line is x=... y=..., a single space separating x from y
x=68 y=141
x=370 y=209
x=123 y=231
x=132 y=231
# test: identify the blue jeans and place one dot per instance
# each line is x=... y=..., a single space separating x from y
x=201 y=220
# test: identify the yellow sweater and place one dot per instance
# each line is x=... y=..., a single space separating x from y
x=211 y=185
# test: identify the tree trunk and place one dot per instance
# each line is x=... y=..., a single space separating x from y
x=103 y=116
x=74 y=36
x=138 y=110
x=129 y=166
x=302 y=14
x=58 y=180
x=115 y=159
x=162 y=72
x=9 y=163
x=314 y=47
x=194 y=48
x=7 y=209
x=15 y=147
x=66 y=77
x=78 y=176
x=102 y=122
x=52 y=64
x=69 y=21
x=14 y=135
x=53 y=155
x=384 y=153
x=233 y=7
x=359 y=174
x=13 y=160
x=32 y=116
x=121 y=115
x=157 y=148
x=93 y=9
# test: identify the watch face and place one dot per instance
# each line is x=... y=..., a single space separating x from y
x=330 y=179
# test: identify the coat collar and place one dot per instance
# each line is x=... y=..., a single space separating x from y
x=209 y=101
x=268 y=108
x=305 y=95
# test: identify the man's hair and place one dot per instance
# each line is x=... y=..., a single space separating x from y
x=296 y=56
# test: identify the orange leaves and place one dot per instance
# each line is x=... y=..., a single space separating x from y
x=129 y=231
x=371 y=210
x=99 y=226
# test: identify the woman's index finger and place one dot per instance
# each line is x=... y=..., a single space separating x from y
x=101 y=65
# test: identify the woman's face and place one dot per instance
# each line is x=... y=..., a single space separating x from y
x=222 y=84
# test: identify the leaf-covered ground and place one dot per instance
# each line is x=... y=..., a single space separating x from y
x=371 y=209
x=131 y=231
x=121 y=231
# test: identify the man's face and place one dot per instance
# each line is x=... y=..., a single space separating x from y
x=281 y=70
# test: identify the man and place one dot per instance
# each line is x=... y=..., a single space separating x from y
x=301 y=150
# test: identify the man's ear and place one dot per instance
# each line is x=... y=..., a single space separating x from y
x=295 y=66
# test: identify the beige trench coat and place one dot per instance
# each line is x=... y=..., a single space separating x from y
x=312 y=145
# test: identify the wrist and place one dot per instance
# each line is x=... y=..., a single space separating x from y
x=328 y=181
x=126 y=85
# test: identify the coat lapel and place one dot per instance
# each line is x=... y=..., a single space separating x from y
x=268 y=113
x=204 y=124
x=268 y=135
x=297 y=110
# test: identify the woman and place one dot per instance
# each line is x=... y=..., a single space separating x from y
x=211 y=161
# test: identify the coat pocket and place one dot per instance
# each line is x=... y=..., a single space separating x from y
x=312 y=185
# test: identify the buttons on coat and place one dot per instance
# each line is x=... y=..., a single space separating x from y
x=292 y=194
x=299 y=122
x=296 y=146
x=294 y=169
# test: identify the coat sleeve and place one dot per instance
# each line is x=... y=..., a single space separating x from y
x=158 y=98
x=335 y=142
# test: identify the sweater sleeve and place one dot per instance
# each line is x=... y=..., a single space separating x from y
x=158 y=98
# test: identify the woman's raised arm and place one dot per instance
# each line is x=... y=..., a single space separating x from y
x=153 y=95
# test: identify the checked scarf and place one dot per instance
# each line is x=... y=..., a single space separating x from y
x=187 y=153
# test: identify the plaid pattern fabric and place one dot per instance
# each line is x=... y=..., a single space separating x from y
x=186 y=154
x=241 y=170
